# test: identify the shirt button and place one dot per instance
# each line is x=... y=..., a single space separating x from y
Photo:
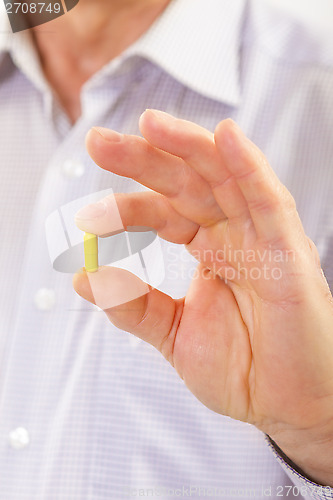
x=19 y=438
x=45 y=299
x=72 y=169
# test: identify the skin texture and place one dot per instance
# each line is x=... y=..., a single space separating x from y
x=73 y=47
x=248 y=345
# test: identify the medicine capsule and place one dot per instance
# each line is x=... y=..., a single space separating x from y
x=90 y=243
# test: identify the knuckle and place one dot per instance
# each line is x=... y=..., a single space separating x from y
x=269 y=201
x=262 y=205
x=314 y=252
x=287 y=199
x=276 y=198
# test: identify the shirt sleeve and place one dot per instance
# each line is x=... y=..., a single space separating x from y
x=303 y=486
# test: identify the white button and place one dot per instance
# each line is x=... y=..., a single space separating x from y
x=45 y=299
x=19 y=438
x=73 y=169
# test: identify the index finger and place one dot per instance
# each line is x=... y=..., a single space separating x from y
x=132 y=156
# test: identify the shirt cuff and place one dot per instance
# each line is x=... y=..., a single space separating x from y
x=303 y=486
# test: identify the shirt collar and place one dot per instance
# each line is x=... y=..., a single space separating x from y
x=178 y=41
x=21 y=48
x=5 y=33
x=199 y=42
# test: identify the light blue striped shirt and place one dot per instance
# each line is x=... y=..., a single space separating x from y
x=88 y=412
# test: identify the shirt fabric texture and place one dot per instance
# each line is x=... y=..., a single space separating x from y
x=106 y=415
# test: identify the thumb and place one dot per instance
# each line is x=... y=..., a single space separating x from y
x=132 y=305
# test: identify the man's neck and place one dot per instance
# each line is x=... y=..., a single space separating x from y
x=75 y=46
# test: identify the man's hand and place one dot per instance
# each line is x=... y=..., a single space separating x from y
x=253 y=338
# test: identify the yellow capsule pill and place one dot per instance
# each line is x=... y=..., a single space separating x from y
x=90 y=243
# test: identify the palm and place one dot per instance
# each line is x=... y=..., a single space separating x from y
x=244 y=332
x=230 y=333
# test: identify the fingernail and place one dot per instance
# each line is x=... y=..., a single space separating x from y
x=234 y=134
x=239 y=130
x=108 y=134
x=92 y=211
x=161 y=115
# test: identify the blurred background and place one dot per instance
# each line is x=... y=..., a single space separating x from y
x=319 y=12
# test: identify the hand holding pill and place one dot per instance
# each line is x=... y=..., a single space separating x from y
x=253 y=338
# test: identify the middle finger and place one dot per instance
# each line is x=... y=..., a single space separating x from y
x=133 y=157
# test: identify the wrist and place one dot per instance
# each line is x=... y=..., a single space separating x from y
x=309 y=452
